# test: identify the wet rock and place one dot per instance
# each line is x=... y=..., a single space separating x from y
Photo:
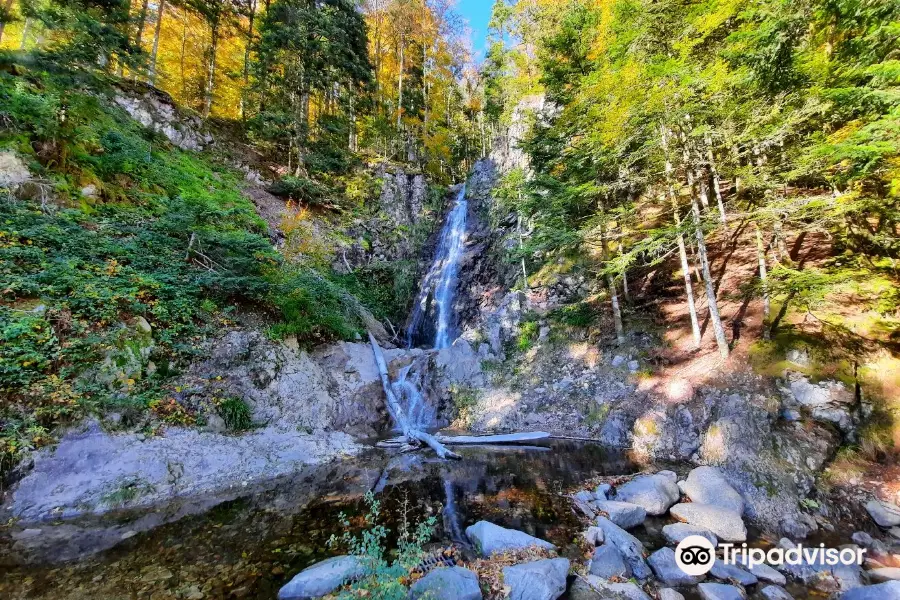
x=723 y=523
x=675 y=532
x=884 y=574
x=591 y=587
x=629 y=547
x=537 y=580
x=884 y=514
x=883 y=591
x=489 y=538
x=623 y=514
x=618 y=360
x=798 y=525
x=773 y=592
x=322 y=578
x=449 y=583
x=667 y=570
x=707 y=485
x=607 y=562
x=720 y=570
x=655 y=493
x=817 y=574
x=669 y=594
x=719 y=591
x=763 y=572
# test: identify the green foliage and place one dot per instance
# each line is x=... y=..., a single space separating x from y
x=300 y=189
x=313 y=308
x=387 y=578
x=528 y=333
x=236 y=413
x=578 y=314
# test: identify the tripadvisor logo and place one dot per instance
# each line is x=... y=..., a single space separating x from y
x=695 y=555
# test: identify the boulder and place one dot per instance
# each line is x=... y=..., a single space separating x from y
x=819 y=575
x=883 y=591
x=723 y=523
x=489 y=539
x=537 y=580
x=884 y=574
x=623 y=514
x=675 y=532
x=773 y=592
x=829 y=401
x=719 y=591
x=450 y=583
x=763 y=572
x=591 y=587
x=669 y=594
x=884 y=514
x=707 y=485
x=667 y=570
x=602 y=492
x=13 y=171
x=655 y=493
x=593 y=536
x=629 y=547
x=322 y=578
x=720 y=570
x=607 y=562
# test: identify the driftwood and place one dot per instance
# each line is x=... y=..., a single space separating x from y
x=397 y=412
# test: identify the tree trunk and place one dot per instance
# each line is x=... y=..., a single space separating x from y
x=714 y=317
x=715 y=180
x=141 y=21
x=151 y=76
x=682 y=250
x=181 y=58
x=211 y=74
x=764 y=281
x=704 y=189
x=611 y=283
x=251 y=17
x=25 y=30
x=6 y=8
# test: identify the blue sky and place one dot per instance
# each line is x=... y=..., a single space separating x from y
x=477 y=13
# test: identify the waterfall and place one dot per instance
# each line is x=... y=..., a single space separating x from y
x=439 y=285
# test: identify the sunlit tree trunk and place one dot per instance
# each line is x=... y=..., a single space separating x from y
x=682 y=250
x=764 y=280
x=151 y=76
x=6 y=8
x=611 y=282
x=26 y=29
x=716 y=183
x=211 y=72
x=251 y=17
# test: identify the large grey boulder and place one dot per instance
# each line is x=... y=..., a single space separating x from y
x=882 y=591
x=624 y=514
x=450 y=583
x=13 y=171
x=322 y=578
x=773 y=592
x=667 y=570
x=591 y=587
x=655 y=493
x=819 y=575
x=629 y=547
x=537 y=580
x=725 y=524
x=884 y=514
x=675 y=532
x=669 y=594
x=707 y=485
x=719 y=591
x=607 y=562
x=829 y=401
x=720 y=570
x=489 y=538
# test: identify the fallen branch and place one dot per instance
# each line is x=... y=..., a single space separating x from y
x=397 y=412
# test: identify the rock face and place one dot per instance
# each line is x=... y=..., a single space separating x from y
x=92 y=471
x=883 y=513
x=623 y=514
x=449 y=583
x=655 y=493
x=629 y=547
x=707 y=485
x=13 y=171
x=537 y=580
x=828 y=401
x=129 y=358
x=723 y=523
x=155 y=110
x=489 y=538
x=667 y=570
x=322 y=578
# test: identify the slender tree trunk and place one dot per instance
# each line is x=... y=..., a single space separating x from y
x=211 y=73
x=611 y=283
x=151 y=76
x=764 y=280
x=704 y=189
x=783 y=254
x=716 y=183
x=400 y=88
x=250 y=18
x=181 y=58
x=25 y=30
x=6 y=8
x=142 y=19
x=714 y=317
x=682 y=250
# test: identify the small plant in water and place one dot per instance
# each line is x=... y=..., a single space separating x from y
x=389 y=572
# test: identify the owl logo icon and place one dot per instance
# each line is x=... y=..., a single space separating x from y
x=695 y=555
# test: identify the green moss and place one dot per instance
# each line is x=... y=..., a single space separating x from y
x=236 y=413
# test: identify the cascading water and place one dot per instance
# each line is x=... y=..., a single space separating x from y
x=439 y=285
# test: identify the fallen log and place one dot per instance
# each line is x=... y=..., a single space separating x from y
x=397 y=412
x=504 y=438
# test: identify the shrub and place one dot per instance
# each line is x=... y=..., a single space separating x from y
x=236 y=413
